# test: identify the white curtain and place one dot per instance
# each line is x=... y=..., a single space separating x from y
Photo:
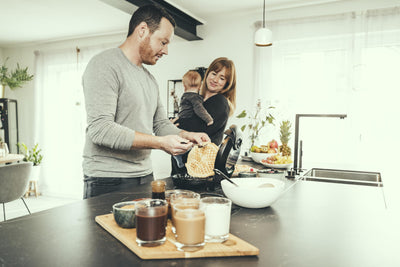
x=344 y=63
x=60 y=117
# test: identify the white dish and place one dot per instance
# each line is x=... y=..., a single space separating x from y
x=277 y=166
x=257 y=157
x=248 y=195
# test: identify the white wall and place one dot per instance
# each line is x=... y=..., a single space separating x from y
x=227 y=36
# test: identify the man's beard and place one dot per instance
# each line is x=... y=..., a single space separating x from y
x=146 y=52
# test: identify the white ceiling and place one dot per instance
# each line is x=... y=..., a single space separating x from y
x=36 y=21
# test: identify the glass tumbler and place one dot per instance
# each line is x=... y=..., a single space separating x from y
x=189 y=226
x=169 y=193
x=151 y=217
x=187 y=200
x=218 y=216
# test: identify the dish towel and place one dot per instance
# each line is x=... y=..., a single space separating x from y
x=179 y=161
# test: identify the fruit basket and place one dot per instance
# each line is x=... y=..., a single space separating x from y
x=257 y=157
x=278 y=161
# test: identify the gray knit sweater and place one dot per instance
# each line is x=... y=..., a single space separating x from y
x=120 y=98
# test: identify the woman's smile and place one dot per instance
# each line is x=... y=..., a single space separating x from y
x=216 y=80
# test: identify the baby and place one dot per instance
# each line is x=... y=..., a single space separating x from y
x=191 y=101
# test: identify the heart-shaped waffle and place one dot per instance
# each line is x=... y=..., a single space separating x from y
x=201 y=160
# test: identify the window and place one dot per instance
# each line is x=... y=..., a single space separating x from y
x=336 y=64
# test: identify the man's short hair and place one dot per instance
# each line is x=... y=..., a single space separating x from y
x=152 y=15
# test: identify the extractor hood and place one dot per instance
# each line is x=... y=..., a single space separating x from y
x=185 y=24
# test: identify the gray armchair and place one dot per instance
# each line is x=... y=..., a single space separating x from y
x=13 y=181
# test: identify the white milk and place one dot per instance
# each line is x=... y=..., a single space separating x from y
x=218 y=218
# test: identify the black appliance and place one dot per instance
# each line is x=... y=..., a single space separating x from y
x=9 y=124
x=225 y=161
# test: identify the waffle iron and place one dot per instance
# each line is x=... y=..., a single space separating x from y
x=225 y=161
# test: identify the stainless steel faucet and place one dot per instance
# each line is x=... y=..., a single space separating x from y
x=296 y=137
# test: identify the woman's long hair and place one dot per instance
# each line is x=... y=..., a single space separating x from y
x=229 y=90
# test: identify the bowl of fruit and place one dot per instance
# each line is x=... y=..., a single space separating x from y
x=277 y=161
x=272 y=155
x=259 y=153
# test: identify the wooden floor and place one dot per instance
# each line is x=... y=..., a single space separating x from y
x=17 y=208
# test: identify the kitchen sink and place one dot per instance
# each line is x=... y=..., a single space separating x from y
x=343 y=176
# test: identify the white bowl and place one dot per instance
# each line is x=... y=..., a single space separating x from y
x=249 y=195
x=257 y=157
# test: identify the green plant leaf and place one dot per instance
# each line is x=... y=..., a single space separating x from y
x=32 y=155
x=243 y=114
x=15 y=78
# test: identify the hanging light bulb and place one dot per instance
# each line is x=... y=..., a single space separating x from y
x=263 y=36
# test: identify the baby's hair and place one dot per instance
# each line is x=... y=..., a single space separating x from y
x=191 y=79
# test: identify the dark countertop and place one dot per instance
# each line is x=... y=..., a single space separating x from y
x=312 y=224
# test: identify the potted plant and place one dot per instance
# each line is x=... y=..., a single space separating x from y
x=256 y=121
x=13 y=79
x=32 y=155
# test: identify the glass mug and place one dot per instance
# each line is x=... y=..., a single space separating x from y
x=151 y=218
x=189 y=227
x=187 y=200
x=169 y=193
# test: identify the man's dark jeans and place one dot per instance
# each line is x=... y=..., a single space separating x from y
x=95 y=186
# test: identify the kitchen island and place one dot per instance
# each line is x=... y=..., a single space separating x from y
x=312 y=224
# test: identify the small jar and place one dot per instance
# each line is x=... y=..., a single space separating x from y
x=158 y=189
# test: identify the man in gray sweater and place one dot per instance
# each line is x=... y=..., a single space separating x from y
x=124 y=109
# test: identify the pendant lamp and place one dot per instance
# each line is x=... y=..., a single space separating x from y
x=263 y=35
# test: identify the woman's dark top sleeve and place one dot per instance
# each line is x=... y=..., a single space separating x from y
x=218 y=108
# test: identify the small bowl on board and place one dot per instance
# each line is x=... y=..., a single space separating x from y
x=124 y=214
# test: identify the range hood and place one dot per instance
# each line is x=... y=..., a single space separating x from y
x=185 y=24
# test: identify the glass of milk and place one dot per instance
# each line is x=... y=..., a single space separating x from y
x=217 y=211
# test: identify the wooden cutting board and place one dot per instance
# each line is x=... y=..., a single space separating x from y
x=234 y=246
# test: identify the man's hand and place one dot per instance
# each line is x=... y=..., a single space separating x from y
x=197 y=138
x=174 y=144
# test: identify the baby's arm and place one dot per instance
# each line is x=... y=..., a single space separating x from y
x=201 y=111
